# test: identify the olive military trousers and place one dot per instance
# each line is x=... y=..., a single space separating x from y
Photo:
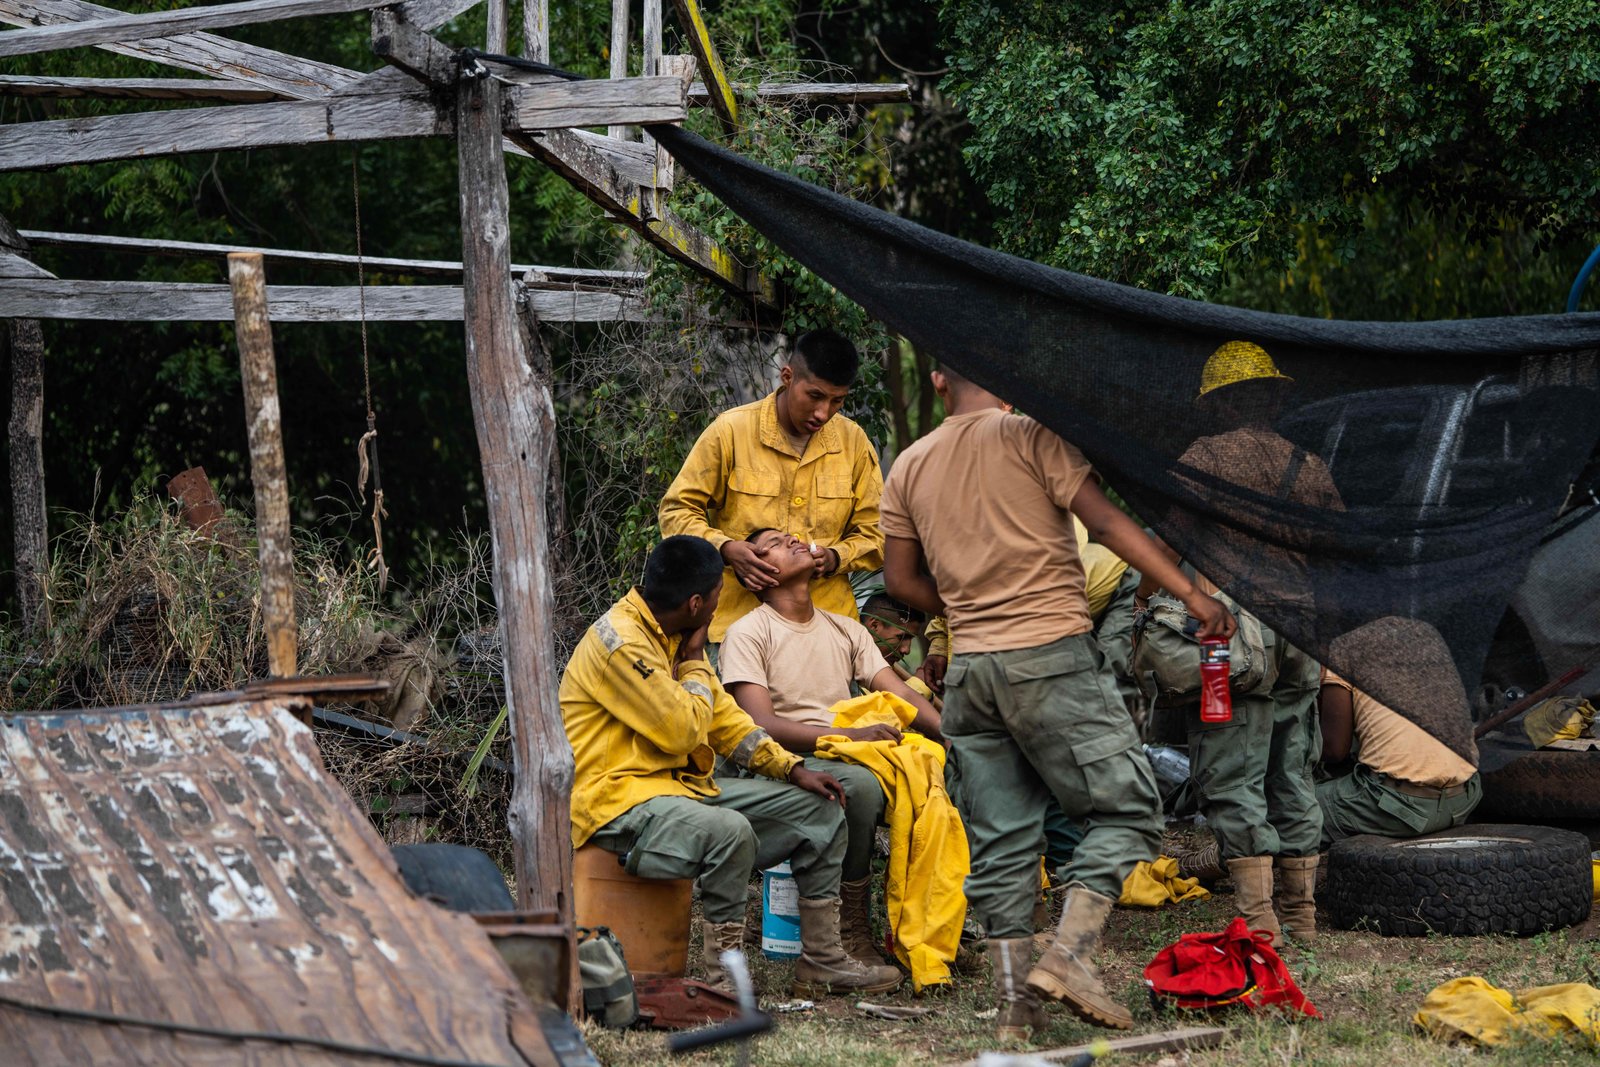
x=1364 y=802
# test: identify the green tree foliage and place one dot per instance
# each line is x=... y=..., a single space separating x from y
x=1202 y=147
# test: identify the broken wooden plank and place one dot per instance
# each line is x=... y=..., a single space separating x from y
x=63 y=88
x=1187 y=1037
x=721 y=95
x=52 y=298
x=561 y=104
x=58 y=142
x=593 y=176
x=559 y=278
x=13 y=265
x=860 y=93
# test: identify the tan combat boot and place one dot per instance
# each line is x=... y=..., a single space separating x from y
x=1295 y=895
x=855 y=922
x=1252 y=894
x=824 y=966
x=1066 y=972
x=715 y=938
x=1020 y=1013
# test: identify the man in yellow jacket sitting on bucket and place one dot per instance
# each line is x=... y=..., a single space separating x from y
x=790 y=665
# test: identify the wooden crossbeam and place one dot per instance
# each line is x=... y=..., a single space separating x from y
x=863 y=93
x=557 y=277
x=53 y=298
x=135 y=89
x=554 y=105
x=125 y=28
x=721 y=95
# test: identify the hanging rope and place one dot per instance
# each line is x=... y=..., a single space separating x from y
x=368 y=445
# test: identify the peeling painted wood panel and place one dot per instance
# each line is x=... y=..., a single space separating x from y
x=200 y=866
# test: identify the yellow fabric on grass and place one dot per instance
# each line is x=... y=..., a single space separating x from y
x=1150 y=885
x=928 y=858
x=1472 y=1008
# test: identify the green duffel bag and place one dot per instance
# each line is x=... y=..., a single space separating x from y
x=1166 y=654
x=608 y=994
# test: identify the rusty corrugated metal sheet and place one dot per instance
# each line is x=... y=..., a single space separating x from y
x=199 y=866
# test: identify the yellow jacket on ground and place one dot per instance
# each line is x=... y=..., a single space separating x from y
x=1472 y=1008
x=639 y=732
x=1150 y=885
x=743 y=475
x=928 y=858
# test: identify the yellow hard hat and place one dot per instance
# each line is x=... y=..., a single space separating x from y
x=1238 y=361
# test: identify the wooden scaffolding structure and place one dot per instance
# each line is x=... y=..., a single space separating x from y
x=491 y=105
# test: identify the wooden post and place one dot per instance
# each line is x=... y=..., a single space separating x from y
x=262 y=418
x=536 y=30
x=619 y=51
x=515 y=420
x=30 y=525
x=499 y=26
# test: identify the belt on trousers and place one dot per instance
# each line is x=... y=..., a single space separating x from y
x=1426 y=792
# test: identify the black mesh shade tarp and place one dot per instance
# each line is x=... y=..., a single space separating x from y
x=1451 y=446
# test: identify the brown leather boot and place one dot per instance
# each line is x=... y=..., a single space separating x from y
x=1020 y=1013
x=1252 y=894
x=855 y=922
x=1067 y=972
x=1294 y=897
x=714 y=939
x=824 y=966
x=1203 y=863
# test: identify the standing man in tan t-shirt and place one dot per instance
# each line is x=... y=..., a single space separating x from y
x=986 y=503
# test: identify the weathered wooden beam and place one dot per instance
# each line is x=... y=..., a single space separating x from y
x=30 y=529
x=515 y=419
x=619 y=51
x=861 y=93
x=559 y=278
x=125 y=28
x=592 y=175
x=134 y=89
x=722 y=99
x=413 y=50
x=536 y=30
x=378 y=117
x=548 y=105
x=264 y=421
x=54 y=298
x=16 y=265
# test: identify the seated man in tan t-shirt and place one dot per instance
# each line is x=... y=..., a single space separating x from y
x=1405 y=782
x=786 y=664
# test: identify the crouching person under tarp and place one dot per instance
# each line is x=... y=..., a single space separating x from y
x=647 y=717
x=1405 y=782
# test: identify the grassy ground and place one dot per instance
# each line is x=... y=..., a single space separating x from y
x=1366 y=986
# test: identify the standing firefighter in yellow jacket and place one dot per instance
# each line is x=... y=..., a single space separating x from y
x=788 y=462
x=647 y=718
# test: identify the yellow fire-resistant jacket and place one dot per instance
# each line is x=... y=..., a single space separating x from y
x=637 y=732
x=928 y=857
x=744 y=475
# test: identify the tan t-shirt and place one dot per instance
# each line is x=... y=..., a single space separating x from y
x=1394 y=745
x=986 y=494
x=806 y=667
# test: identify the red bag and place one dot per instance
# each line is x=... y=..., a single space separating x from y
x=1204 y=971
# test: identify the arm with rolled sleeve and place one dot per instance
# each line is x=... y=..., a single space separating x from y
x=700 y=487
x=860 y=544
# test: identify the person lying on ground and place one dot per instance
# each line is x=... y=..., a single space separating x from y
x=789 y=461
x=979 y=520
x=787 y=663
x=647 y=717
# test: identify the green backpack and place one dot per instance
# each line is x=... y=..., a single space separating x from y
x=1166 y=654
x=608 y=995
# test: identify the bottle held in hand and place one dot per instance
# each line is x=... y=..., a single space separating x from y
x=1216 y=702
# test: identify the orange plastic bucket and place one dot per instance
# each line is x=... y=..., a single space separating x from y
x=649 y=916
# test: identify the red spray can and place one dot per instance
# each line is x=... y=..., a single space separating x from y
x=1216 y=702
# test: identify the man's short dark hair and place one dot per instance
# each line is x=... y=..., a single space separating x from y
x=828 y=355
x=759 y=531
x=678 y=568
x=884 y=606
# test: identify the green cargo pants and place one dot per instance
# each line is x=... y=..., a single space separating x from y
x=864 y=804
x=1364 y=802
x=1033 y=723
x=753 y=824
x=1114 y=631
x=1253 y=774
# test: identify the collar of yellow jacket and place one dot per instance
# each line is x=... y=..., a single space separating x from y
x=822 y=442
x=635 y=604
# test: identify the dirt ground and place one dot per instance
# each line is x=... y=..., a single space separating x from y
x=1366 y=986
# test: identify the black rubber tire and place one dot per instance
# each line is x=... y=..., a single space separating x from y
x=454 y=876
x=1478 y=879
x=1550 y=783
